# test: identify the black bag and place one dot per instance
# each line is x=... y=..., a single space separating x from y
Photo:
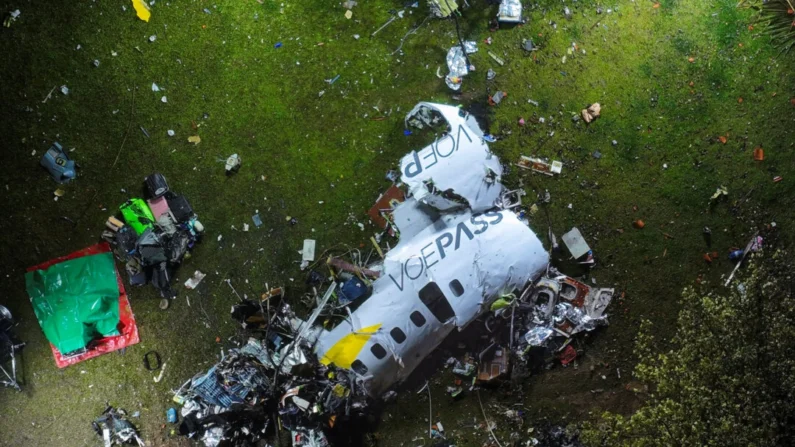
x=177 y=246
x=180 y=208
x=150 y=249
x=156 y=185
x=126 y=239
x=161 y=279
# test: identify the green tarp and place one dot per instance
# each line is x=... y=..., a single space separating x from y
x=76 y=300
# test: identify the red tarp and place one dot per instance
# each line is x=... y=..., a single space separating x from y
x=127 y=327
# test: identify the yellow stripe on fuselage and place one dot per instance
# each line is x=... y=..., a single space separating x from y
x=345 y=351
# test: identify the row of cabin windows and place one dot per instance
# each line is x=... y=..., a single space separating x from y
x=433 y=298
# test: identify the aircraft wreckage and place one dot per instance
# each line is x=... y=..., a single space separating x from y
x=464 y=251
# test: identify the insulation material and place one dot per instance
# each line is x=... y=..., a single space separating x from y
x=126 y=327
x=458 y=64
x=455 y=171
x=441 y=279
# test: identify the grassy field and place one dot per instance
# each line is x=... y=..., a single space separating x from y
x=672 y=78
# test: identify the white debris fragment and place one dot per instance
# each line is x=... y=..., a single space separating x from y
x=164 y=99
x=160 y=376
x=152 y=38
x=64 y=90
x=308 y=253
x=155 y=87
x=170 y=133
x=194 y=281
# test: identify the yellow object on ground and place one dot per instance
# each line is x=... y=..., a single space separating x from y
x=142 y=9
x=347 y=349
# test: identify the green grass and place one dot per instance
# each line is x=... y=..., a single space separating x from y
x=266 y=107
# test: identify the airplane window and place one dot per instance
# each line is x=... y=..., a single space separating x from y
x=378 y=351
x=431 y=295
x=417 y=318
x=456 y=287
x=359 y=367
x=398 y=335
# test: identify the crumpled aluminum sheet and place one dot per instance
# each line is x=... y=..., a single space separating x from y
x=292 y=355
x=575 y=315
x=597 y=303
x=510 y=11
x=538 y=336
x=560 y=312
x=213 y=436
x=588 y=324
x=457 y=63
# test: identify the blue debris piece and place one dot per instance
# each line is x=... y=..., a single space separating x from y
x=351 y=290
x=58 y=164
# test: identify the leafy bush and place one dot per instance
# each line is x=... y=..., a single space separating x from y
x=729 y=379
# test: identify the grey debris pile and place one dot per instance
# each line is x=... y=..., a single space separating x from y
x=115 y=429
x=556 y=308
x=227 y=403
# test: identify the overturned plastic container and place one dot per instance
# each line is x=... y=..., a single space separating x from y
x=58 y=164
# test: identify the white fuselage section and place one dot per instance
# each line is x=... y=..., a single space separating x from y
x=442 y=278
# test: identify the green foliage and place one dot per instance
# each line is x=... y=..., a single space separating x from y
x=780 y=20
x=729 y=377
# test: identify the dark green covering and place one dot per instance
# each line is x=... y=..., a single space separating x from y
x=76 y=301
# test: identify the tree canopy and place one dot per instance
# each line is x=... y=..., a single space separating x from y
x=728 y=378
